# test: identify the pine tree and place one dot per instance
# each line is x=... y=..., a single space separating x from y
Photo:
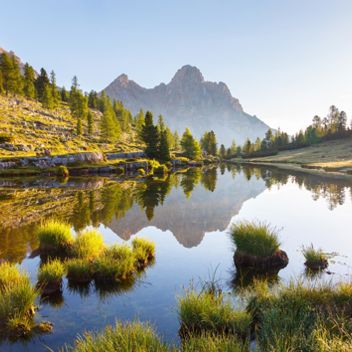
x=164 y=147
x=54 y=91
x=90 y=123
x=2 y=89
x=93 y=99
x=41 y=82
x=190 y=145
x=139 y=121
x=208 y=143
x=11 y=75
x=64 y=95
x=222 y=151
x=150 y=136
x=79 y=126
x=29 y=82
x=176 y=145
x=109 y=125
x=47 y=99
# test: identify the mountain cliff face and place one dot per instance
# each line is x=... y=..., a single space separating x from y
x=190 y=101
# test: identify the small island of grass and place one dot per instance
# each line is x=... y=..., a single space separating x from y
x=257 y=246
x=316 y=259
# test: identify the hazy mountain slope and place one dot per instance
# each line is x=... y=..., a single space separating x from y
x=190 y=101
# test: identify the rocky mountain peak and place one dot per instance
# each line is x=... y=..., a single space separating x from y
x=188 y=74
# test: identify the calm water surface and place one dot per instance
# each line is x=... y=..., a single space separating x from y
x=188 y=216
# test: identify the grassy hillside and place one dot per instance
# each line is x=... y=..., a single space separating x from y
x=335 y=155
x=34 y=128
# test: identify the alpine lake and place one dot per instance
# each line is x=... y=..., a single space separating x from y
x=188 y=216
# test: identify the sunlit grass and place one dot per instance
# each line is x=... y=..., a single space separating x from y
x=314 y=256
x=209 y=312
x=129 y=337
x=144 y=251
x=255 y=238
x=88 y=244
x=51 y=272
x=79 y=270
x=54 y=236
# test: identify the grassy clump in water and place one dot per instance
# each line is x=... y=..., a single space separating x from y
x=144 y=251
x=255 y=238
x=79 y=270
x=298 y=317
x=17 y=299
x=54 y=236
x=209 y=312
x=51 y=272
x=88 y=244
x=121 y=337
x=314 y=256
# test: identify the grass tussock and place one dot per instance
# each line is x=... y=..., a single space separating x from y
x=129 y=337
x=144 y=251
x=51 y=272
x=88 y=244
x=17 y=299
x=79 y=270
x=54 y=236
x=209 y=312
x=255 y=238
x=314 y=256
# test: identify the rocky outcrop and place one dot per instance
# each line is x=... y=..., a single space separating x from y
x=52 y=161
x=190 y=101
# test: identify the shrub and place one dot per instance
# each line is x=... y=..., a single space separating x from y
x=88 y=244
x=208 y=312
x=121 y=337
x=55 y=236
x=79 y=270
x=144 y=250
x=17 y=299
x=51 y=272
x=255 y=238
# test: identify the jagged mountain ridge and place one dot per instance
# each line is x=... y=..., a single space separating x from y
x=190 y=101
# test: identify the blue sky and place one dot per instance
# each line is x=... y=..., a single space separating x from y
x=286 y=60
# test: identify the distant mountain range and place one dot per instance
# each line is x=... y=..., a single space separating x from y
x=190 y=101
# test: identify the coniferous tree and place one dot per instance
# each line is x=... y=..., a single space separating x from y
x=208 y=143
x=109 y=125
x=176 y=138
x=11 y=75
x=90 y=123
x=164 y=147
x=47 y=98
x=150 y=136
x=29 y=82
x=139 y=121
x=222 y=151
x=190 y=145
x=79 y=126
x=54 y=91
x=93 y=99
x=41 y=82
x=64 y=95
x=17 y=78
x=2 y=89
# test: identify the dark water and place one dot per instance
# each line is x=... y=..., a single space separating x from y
x=187 y=215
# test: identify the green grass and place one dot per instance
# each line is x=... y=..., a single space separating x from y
x=144 y=250
x=51 y=272
x=54 y=236
x=295 y=317
x=88 y=244
x=79 y=270
x=17 y=300
x=209 y=312
x=255 y=238
x=213 y=343
x=129 y=337
x=314 y=256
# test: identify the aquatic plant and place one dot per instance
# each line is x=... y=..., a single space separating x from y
x=50 y=276
x=121 y=337
x=255 y=238
x=89 y=244
x=315 y=258
x=144 y=251
x=79 y=270
x=209 y=312
x=17 y=299
x=54 y=236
